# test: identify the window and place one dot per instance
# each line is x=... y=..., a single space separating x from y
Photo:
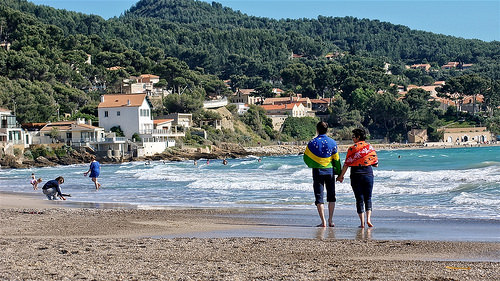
x=144 y=112
x=118 y=113
x=106 y=113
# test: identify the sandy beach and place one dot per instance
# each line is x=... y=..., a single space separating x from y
x=42 y=240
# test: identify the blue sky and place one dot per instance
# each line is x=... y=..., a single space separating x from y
x=466 y=19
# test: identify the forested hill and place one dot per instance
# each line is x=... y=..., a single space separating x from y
x=180 y=26
x=193 y=45
x=370 y=36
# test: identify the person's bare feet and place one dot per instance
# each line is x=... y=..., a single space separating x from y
x=321 y=225
x=361 y=226
x=331 y=224
x=369 y=224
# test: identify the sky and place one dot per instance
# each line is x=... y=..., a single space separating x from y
x=467 y=19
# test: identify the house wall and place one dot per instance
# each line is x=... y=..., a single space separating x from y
x=278 y=121
x=299 y=111
x=461 y=135
x=129 y=120
x=417 y=136
x=151 y=148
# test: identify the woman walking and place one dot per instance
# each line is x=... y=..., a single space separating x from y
x=94 y=170
x=361 y=157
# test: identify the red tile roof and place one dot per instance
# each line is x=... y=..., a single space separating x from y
x=122 y=100
x=159 y=121
x=66 y=125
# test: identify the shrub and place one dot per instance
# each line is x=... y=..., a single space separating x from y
x=17 y=152
x=60 y=152
x=28 y=154
x=42 y=151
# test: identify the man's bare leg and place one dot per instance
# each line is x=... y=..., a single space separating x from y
x=331 y=208
x=321 y=213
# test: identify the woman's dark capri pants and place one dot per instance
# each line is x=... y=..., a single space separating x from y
x=362 y=185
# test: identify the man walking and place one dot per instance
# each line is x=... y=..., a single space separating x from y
x=322 y=156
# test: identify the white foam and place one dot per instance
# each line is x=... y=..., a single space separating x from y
x=474 y=199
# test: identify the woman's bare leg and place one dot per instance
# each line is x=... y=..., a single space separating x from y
x=369 y=218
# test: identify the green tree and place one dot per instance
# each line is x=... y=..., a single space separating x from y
x=302 y=128
x=54 y=133
x=453 y=90
x=474 y=85
x=421 y=111
x=389 y=115
x=188 y=102
x=257 y=120
x=300 y=77
x=118 y=131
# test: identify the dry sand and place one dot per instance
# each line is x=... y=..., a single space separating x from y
x=42 y=240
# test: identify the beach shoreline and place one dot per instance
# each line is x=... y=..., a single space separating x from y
x=189 y=244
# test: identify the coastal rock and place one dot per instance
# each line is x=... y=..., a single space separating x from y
x=276 y=150
x=12 y=162
x=68 y=160
x=44 y=161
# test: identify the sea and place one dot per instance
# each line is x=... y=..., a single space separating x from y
x=446 y=183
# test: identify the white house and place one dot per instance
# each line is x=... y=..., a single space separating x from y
x=131 y=112
x=242 y=108
x=291 y=109
x=72 y=132
x=10 y=131
x=181 y=119
x=245 y=96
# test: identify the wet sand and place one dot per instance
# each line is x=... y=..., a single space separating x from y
x=42 y=240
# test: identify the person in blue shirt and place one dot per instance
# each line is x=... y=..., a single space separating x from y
x=94 y=170
x=51 y=188
x=322 y=156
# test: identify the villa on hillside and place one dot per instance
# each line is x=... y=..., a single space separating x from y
x=456 y=65
x=306 y=102
x=423 y=66
x=279 y=113
x=132 y=113
x=245 y=96
x=320 y=105
x=144 y=84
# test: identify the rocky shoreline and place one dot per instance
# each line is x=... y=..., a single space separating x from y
x=222 y=151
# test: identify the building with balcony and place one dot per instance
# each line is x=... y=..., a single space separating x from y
x=132 y=113
x=72 y=133
x=10 y=131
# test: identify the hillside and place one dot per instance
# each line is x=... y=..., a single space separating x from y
x=210 y=35
x=59 y=62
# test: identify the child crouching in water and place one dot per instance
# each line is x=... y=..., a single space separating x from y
x=34 y=182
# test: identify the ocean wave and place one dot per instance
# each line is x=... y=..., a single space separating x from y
x=490 y=173
x=485 y=164
x=243 y=184
x=393 y=188
x=475 y=199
